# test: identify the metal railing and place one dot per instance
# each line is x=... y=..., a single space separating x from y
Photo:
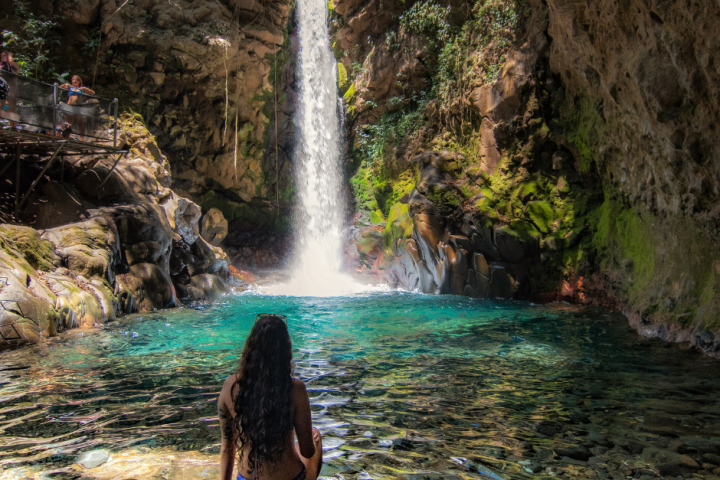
x=43 y=108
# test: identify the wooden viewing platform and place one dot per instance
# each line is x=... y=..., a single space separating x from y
x=33 y=114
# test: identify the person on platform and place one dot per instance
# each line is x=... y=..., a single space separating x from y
x=11 y=68
x=262 y=408
x=76 y=92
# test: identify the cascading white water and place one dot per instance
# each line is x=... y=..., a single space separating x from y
x=320 y=213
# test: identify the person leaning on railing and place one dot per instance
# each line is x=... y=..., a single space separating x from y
x=75 y=94
x=7 y=64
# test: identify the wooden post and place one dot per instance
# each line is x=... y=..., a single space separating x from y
x=42 y=172
x=17 y=182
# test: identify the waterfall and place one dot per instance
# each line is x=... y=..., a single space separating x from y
x=320 y=212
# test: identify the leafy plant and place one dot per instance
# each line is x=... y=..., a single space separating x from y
x=392 y=129
x=34 y=45
x=391 y=39
x=426 y=18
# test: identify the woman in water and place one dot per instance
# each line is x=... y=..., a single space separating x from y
x=262 y=408
x=75 y=94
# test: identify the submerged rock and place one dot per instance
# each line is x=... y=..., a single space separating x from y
x=93 y=458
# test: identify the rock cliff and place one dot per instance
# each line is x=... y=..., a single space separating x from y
x=496 y=148
x=212 y=81
x=538 y=150
x=96 y=251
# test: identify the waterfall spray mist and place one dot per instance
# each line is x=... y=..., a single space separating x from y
x=321 y=209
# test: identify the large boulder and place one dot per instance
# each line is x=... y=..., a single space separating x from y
x=207 y=259
x=207 y=287
x=214 y=227
x=183 y=216
x=26 y=303
x=150 y=287
x=144 y=232
x=90 y=248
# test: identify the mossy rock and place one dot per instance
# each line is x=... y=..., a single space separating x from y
x=349 y=95
x=399 y=226
x=530 y=190
x=40 y=254
x=377 y=217
x=525 y=231
x=541 y=214
x=382 y=193
x=484 y=207
x=343 y=80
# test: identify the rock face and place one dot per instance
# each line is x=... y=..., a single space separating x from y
x=543 y=150
x=213 y=84
x=214 y=227
x=132 y=246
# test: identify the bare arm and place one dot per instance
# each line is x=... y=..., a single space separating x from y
x=89 y=91
x=303 y=420
x=227 y=449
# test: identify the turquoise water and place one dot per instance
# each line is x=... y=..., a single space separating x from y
x=401 y=385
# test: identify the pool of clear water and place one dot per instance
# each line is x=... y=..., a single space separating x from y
x=401 y=386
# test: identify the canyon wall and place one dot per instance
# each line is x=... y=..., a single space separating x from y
x=551 y=150
x=496 y=148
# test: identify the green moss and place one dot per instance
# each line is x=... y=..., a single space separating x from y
x=484 y=207
x=382 y=192
x=622 y=237
x=362 y=187
x=637 y=243
x=38 y=253
x=542 y=215
x=377 y=217
x=530 y=190
x=444 y=198
x=343 y=80
x=349 y=94
x=399 y=227
x=584 y=127
x=525 y=231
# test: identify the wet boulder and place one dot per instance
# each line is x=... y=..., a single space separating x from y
x=38 y=252
x=26 y=302
x=183 y=216
x=207 y=287
x=150 y=286
x=207 y=258
x=90 y=248
x=144 y=232
x=502 y=284
x=81 y=303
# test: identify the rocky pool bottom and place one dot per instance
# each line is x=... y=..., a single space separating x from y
x=401 y=385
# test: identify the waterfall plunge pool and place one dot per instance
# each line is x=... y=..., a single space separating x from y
x=402 y=386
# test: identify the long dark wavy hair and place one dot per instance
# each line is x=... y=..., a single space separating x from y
x=263 y=404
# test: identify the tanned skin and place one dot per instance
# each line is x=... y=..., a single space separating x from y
x=307 y=451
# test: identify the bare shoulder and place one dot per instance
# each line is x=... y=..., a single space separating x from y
x=299 y=390
x=227 y=387
x=299 y=386
x=230 y=381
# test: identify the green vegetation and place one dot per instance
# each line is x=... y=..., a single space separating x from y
x=392 y=129
x=477 y=49
x=426 y=18
x=584 y=127
x=33 y=44
x=625 y=239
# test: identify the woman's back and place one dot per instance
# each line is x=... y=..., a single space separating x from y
x=261 y=408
